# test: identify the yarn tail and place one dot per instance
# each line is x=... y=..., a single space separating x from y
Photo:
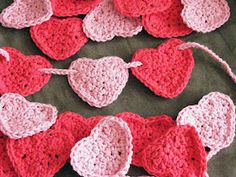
x=5 y=54
x=214 y=56
x=57 y=71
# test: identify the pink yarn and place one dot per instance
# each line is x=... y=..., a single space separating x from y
x=20 y=118
x=104 y=23
x=26 y=13
x=214 y=119
x=214 y=56
x=97 y=82
x=205 y=15
x=5 y=54
x=106 y=152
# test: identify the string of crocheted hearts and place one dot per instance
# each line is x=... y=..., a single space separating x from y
x=214 y=119
x=97 y=82
x=177 y=153
x=106 y=152
x=136 y=8
x=25 y=13
x=20 y=118
x=20 y=74
x=65 y=8
x=104 y=23
x=59 y=38
x=205 y=16
x=167 y=69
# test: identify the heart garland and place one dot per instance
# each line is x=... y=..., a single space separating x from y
x=97 y=82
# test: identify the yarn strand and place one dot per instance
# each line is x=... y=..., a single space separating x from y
x=214 y=56
x=5 y=54
x=57 y=71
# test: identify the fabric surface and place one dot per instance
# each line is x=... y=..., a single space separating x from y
x=207 y=77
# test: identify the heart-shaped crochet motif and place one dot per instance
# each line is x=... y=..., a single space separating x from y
x=144 y=131
x=214 y=119
x=104 y=23
x=205 y=16
x=59 y=38
x=21 y=74
x=42 y=154
x=73 y=8
x=168 y=23
x=20 y=118
x=178 y=153
x=136 y=8
x=26 y=13
x=165 y=70
x=6 y=168
x=99 y=82
x=106 y=152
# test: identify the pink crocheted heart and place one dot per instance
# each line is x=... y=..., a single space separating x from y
x=65 y=8
x=178 y=153
x=136 y=8
x=99 y=82
x=41 y=155
x=168 y=23
x=144 y=131
x=214 y=119
x=59 y=38
x=205 y=16
x=20 y=118
x=106 y=152
x=26 y=13
x=21 y=74
x=6 y=168
x=104 y=23
x=165 y=70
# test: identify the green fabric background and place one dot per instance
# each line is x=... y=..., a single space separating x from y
x=207 y=77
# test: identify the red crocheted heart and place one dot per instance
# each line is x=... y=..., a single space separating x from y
x=136 y=8
x=168 y=23
x=43 y=154
x=21 y=74
x=6 y=168
x=59 y=38
x=144 y=131
x=73 y=7
x=165 y=70
x=178 y=153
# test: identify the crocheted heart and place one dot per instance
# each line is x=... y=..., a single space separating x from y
x=136 y=8
x=59 y=38
x=214 y=119
x=65 y=8
x=205 y=16
x=42 y=154
x=26 y=13
x=21 y=75
x=6 y=168
x=106 y=152
x=20 y=118
x=104 y=23
x=99 y=82
x=168 y=23
x=178 y=153
x=144 y=131
x=165 y=70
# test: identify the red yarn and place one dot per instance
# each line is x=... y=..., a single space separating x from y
x=165 y=70
x=59 y=38
x=168 y=23
x=73 y=7
x=178 y=153
x=21 y=74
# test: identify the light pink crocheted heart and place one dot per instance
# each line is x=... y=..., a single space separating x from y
x=214 y=119
x=19 y=118
x=106 y=152
x=26 y=13
x=99 y=82
x=205 y=15
x=104 y=23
